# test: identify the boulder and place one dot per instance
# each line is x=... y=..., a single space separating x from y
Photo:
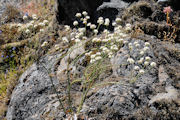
x=66 y=9
x=34 y=93
x=173 y=3
x=34 y=98
x=134 y=96
x=111 y=9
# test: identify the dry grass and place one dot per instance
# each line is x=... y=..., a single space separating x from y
x=140 y=9
x=8 y=34
x=40 y=8
x=12 y=13
x=11 y=36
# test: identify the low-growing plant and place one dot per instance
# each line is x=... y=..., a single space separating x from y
x=8 y=34
x=12 y=13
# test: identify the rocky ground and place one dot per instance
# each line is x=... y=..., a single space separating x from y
x=128 y=68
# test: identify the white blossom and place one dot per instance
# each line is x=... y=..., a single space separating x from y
x=128 y=28
x=92 y=26
x=46 y=22
x=107 y=21
x=89 y=24
x=88 y=54
x=77 y=40
x=27 y=31
x=82 y=30
x=130 y=60
x=92 y=60
x=44 y=44
x=118 y=20
x=136 y=68
x=56 y=47
x=136 y=42
x=87 y=17
x=95 y=31
x=147 y=58
x=41 y=30
x=128 y=25
x=141 y=60
x=75 y=23
x=153 y=64
x=67 y=27
x=34 y=16
x=93 y=56
x=64 y=39
x=100 y=21
x=146 y=48
x=141 y=52
x=84 y=13
x=78 y=15
x=120 y=40
x=35 y=26
x=137 y=45
x=25 y=17
x=146 y=63
x=19 y=25
x=98 y=58
x=141 y=71
x=147 y=44
x=114 y=24
x=84 y=21
x=32 y=22
x=41 y=24
x=29 y=25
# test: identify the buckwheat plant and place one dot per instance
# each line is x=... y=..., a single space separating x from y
x=142 y=62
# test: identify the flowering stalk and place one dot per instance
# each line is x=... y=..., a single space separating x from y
x=167 y=11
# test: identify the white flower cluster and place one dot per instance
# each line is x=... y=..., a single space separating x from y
x=107 y=44
x=44 y=44
x=94 y=57
x=33 y=25
x=79 y=34
x=65 y=39
x=144 y=61
x=110 y=42
x=83 y=17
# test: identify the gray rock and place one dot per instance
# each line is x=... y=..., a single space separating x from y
x=34 y=97
x=106 y=8
x=66 y=10
x=34 y=93
x=111 y=9
x=173 y=3
x=133 y=93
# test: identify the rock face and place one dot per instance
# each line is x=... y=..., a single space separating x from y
x=173 y=3
x=34 y=93
x=66 y=9
x=127 y=100
x=111 y=9
x=34 y=97
x=152 y=95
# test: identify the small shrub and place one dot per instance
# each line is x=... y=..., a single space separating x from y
x=12 y=13
x=8 y=34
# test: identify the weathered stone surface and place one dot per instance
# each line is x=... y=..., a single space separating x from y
x=126 y=100
x=111 y=9
x=66 y=9
x=173 y=3
x=34 y=94
x=34 y=97
x=153 y=95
